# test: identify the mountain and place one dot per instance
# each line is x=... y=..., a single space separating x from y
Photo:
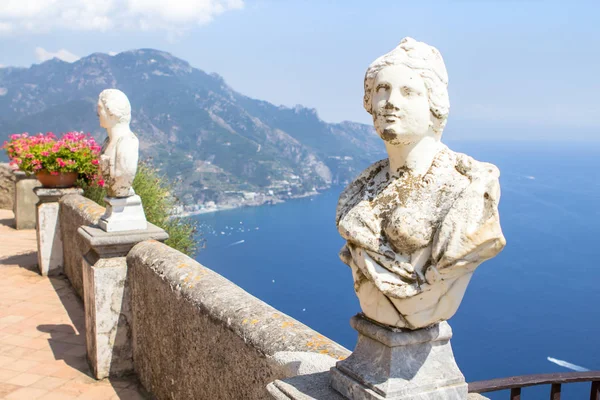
x=218 y=144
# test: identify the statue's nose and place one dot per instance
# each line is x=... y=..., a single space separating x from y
x=390 y=106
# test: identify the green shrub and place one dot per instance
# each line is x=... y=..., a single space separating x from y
x=156 y=193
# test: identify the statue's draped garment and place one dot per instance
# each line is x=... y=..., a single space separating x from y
x=408 y=234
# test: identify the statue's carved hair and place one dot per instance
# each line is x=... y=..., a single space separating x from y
x=428 y=63
x=116 y=104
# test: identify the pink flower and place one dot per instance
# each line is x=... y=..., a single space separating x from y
x=101 y=182
x=45 y=153
x=60 y=162
x=95 y=162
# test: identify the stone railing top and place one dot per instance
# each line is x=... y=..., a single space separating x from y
x=20 y=175
x=54 y=194
x=265 y=328
x=118 y=244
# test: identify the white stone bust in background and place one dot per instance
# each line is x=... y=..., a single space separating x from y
x=119 y=158
x=418 y=223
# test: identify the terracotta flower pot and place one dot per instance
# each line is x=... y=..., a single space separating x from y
x=62 y=180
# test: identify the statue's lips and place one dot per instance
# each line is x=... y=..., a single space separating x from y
x=390 y=117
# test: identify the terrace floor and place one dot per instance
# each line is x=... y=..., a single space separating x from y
x=42 y=330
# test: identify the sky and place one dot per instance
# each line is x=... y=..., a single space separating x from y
x=512 y=64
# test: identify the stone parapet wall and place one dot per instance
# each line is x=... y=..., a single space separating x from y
x=76 y=211
x=7 y=187
x=197 y=335
x=194 y=334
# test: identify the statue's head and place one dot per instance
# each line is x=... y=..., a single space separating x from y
x=406 y=92
x=113 y=108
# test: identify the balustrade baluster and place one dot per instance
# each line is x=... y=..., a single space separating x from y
x=515 y=394
x=595 y=393
x=555 y=391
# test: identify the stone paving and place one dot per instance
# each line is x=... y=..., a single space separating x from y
x=42 y=336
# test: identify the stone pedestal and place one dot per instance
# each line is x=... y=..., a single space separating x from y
x=399 y=364
x=50 y=248
x=106 y=294
x=123 y=214
x=25 y=200
x=387 y=363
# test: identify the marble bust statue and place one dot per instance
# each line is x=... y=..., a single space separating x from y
x=119 y=158
x=418 y=223
x=118 y=165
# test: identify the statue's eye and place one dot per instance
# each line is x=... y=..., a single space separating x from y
x=382 y=87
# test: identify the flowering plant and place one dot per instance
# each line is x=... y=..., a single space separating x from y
x=73 y=152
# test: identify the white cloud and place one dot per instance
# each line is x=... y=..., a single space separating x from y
x=18 y=16
x=62 y=54
x=112 y=53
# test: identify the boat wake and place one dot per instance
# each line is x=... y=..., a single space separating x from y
x=567 y=365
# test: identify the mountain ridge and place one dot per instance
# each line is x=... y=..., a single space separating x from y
x=218 y=144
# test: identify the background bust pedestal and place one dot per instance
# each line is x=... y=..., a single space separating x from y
x=123 y=214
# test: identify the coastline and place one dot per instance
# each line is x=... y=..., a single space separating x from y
x=225 y=207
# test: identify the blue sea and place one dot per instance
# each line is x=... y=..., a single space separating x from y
x=539 y=298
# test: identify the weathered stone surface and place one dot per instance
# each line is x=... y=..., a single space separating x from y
x=304 y=387
x=476 y=396
x=196 y=335
x=399 y=364
x=7 y=187
x=302 y=363
x=76 y=211
x=107 y=317
x=48 y=229
x=123 y=214
x=25 y=200
x=418 y=223
x=50 y=255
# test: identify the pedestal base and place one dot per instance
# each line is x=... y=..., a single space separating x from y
x=106 y=293
x=49 y=237
x=399 y=364
x=107 y=317
x=123 y=214
x=25 y=200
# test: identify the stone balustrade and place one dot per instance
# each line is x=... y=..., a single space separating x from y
x=192 y=333
x=197 y=335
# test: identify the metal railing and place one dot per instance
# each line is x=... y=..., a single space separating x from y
x=516 y=383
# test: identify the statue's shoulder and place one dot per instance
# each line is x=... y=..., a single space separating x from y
x=371 y=172
x=355 y=190
x=474 y=169
x=129 y=139
x=127 y=143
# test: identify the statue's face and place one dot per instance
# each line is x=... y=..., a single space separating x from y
x=103 y=116
x=400 y=106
